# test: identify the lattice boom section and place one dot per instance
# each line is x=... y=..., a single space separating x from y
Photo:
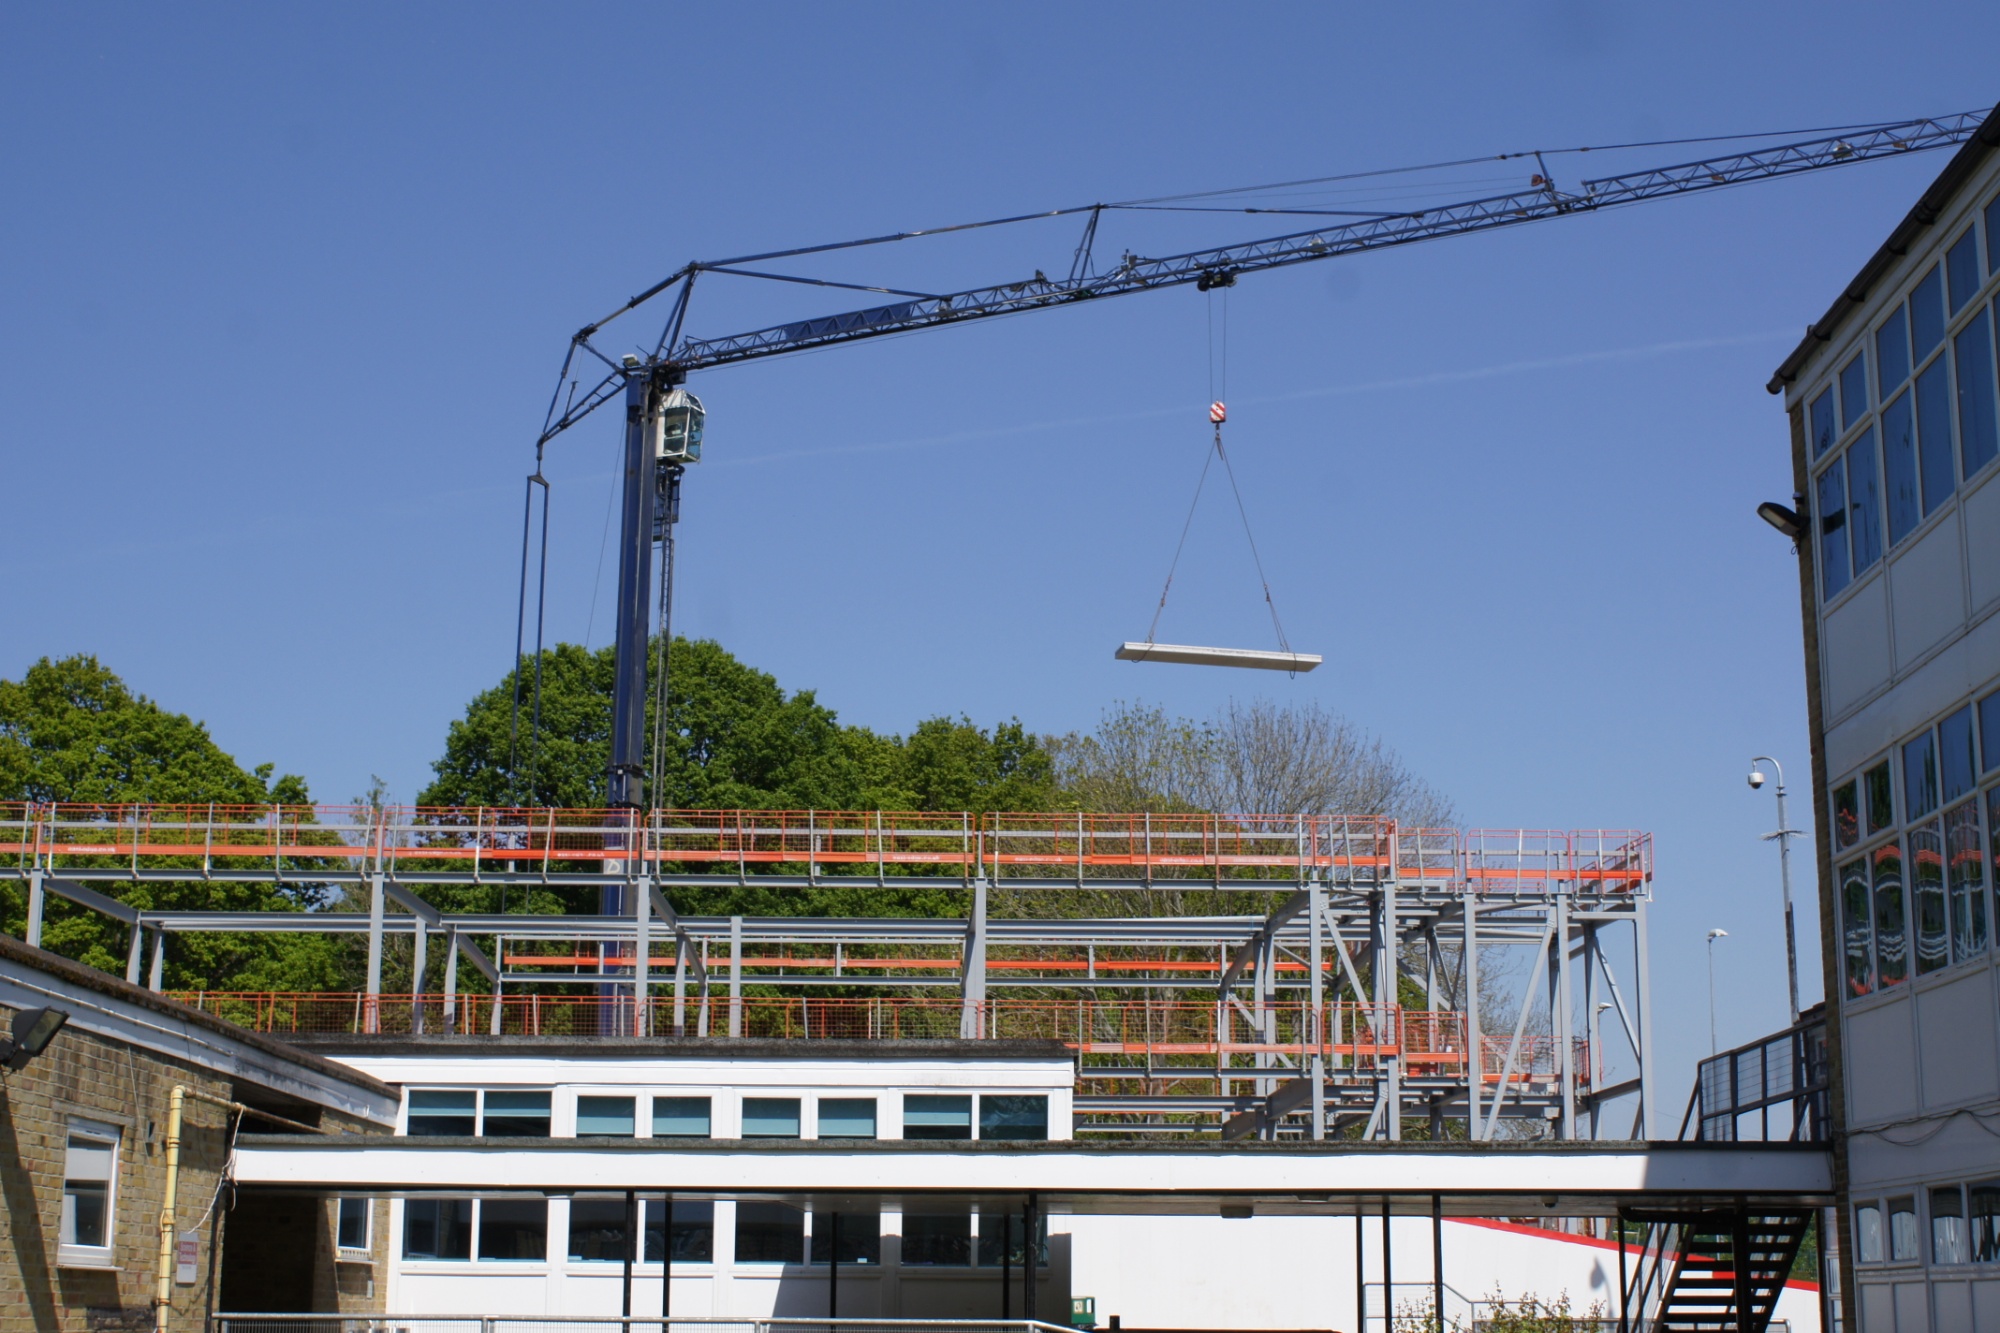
x=472 y=843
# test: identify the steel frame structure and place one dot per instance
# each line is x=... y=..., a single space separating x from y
x=1289 y=1017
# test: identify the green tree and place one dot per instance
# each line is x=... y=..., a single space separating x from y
x=72 y=731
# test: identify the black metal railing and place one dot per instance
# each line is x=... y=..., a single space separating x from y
x=1772 y=1090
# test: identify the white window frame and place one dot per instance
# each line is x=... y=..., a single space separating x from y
x=68 y=1253
x=364 y=1252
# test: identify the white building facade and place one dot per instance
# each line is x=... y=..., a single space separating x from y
x=1896 y=457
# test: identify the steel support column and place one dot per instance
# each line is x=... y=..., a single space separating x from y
x=1643 y=1001
x=1315 y=1033
x=642 y=954
x=372 y=1019
x=36 y=902
x=417 y=937
x=972 y=1011
x=735 y=976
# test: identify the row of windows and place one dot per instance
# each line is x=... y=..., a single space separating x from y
x=1936 y=871
x=526 y=1114
x=516 y=1231
x=1965 y=1226
x=1938 y=421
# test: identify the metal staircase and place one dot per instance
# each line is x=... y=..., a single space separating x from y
x=1718 y=1271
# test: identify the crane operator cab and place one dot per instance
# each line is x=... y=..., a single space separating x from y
x=679 y=428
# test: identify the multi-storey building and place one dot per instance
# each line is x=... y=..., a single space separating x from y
x=1895 y=451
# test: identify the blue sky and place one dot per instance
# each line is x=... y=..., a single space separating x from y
x=285 y=290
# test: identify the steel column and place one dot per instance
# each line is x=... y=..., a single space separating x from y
x=372 y=1020
x=735 y=976
x=36 y=901
x=627 y=785
x=642 y=914
x=1643 y=1001
x=156 y=977
x=972 y=1013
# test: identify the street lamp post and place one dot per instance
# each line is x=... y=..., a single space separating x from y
x=1784 y=835
x=1717 y=934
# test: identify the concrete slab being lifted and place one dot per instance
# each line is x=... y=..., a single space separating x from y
x=1222 y=657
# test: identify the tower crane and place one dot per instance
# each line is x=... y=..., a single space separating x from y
x=663 y=422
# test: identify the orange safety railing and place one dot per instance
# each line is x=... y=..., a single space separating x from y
x=476 y=841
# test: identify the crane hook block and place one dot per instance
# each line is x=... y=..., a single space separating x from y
x=1218 y=413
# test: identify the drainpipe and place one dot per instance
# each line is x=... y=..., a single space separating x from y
x=163 y=1291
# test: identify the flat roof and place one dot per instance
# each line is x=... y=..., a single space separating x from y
x=820 y=1050
x=1928 y=209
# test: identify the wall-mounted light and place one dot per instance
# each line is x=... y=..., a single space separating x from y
x=1783 y=519
x=33 y=1030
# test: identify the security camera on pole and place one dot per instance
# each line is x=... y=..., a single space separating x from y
x=1784 y=835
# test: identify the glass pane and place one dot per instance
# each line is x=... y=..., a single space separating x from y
x=993 y=1226
x=847 y=1117
x=1983 y=1213
x=1956 y=764
x=87 y=1158
x=770 y=1117
x=1822 y=424
x=514 y=1230
x=437 y=1229
x=1833 y=568
x=1892 y=962
x=1978 y=423
x=1927 y=888
x=937 y=1240
x=1846 y=814
x=1011 y=1116
x=597 y=1231
x=1881 y=798
x=1927 y=313
x=1868 y=1232
x=1920 y=776
x=83 y=1212
x=523 y=1115
x=1854 y=391
x=351 y=1231
x=437 y=1111
x=1992 y=221
x=694 y=1231
x=1856 y=929
x=769 y=1233
x=680 y=1117
x=937 y=1117
x=1989 y=731
x=1934 y=434
x=1947 y=1226
x=860 y=1237
x=611 y=1117
x=1899 y=468
x=1892 y=352
x=1902 y=1229
x=1965 y=866
x=1962 y=269
x=1864 y=501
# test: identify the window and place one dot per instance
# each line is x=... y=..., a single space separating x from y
x=769 y=1233
x=1927 y=890
x=351 y=1223
x=847 y=1118
x=1962 y=269
x=1989 y=731
x=1868 y=1232
x=521 y=1115
x=693 y=1231
x=859 y=1237
x=941 y=1241
x=1927 y=313
x=1846 y=814
x=1854 y=390
x=1892 y=351
x=1881 y=798
x=1957 y=769
x=1934 y=435
x=604 y=1117
x=996 y=1227
x=1992 y=221
x=1008 y=1116
x=1948 y=1226
x=1903 y=1229
x=514 y=1230
x=437 y=1229
x=1864 y=502
x=937 y=1117
x=1983 y=1215
x=1920 y=776
x=1965 y=868
x=1899 y=468
x=90 y=1182
x=1892 y=964
x=680 y=1118
x=1978 y=423
x=1856 y=931
x=597 y=1230
x=435 y=1111
x=1833 y=567
x=770 y=1117
x=1824 y=428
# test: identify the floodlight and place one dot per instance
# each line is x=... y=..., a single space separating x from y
x=33 y=1030
x=1783 y=519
